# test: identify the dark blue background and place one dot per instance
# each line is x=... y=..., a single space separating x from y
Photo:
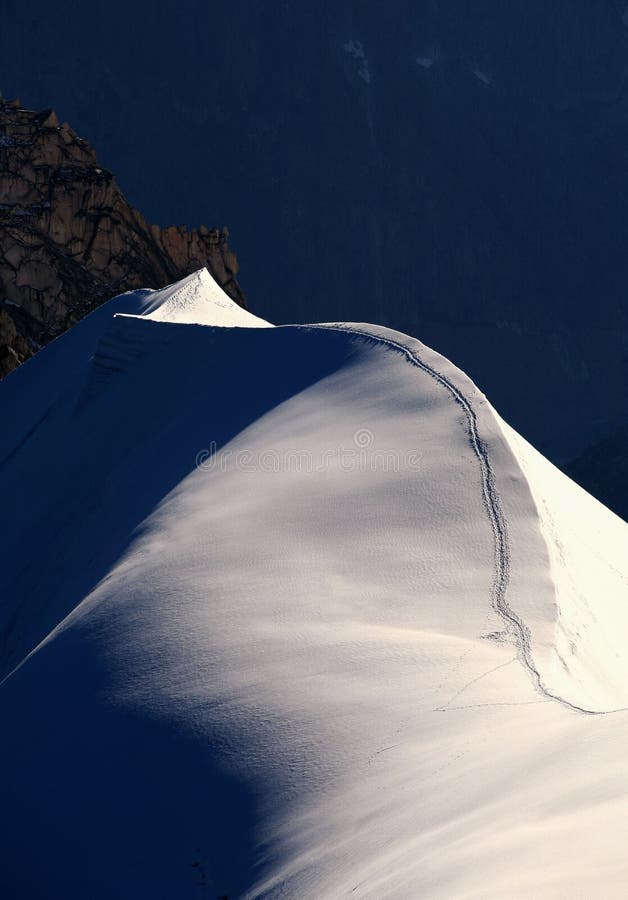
x=480 y=204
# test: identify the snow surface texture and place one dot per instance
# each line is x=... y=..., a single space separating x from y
x=290 y=612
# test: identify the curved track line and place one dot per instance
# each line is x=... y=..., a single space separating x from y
x=493 y=507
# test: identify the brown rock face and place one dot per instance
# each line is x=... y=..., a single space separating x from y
x=69 y=240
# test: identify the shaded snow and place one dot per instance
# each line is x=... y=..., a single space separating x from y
x=288 y=680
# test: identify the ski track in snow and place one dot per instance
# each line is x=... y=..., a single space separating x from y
x=492 y=504
x=108 y=363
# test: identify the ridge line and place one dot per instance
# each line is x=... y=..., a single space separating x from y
x=492 y=504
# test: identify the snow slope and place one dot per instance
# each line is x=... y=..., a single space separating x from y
x=291 y=612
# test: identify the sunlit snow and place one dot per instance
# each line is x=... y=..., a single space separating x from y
x=291 y=612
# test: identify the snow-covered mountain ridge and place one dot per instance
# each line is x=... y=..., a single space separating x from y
x=398 y=670
x=69 y=239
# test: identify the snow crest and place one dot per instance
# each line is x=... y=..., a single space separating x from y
x=368 y=647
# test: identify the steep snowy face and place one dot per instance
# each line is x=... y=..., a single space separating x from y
x=291 y=612
x=198 y=300
x=580 y=652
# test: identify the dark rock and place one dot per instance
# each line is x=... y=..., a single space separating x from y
x=69 y=240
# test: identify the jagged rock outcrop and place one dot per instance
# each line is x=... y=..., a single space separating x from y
x=69 y=240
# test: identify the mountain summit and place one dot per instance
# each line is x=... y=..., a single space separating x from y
x=70 y=240
x=292 y=612
x=455 y=170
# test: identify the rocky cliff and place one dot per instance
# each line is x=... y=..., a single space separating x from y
x=69 y=239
